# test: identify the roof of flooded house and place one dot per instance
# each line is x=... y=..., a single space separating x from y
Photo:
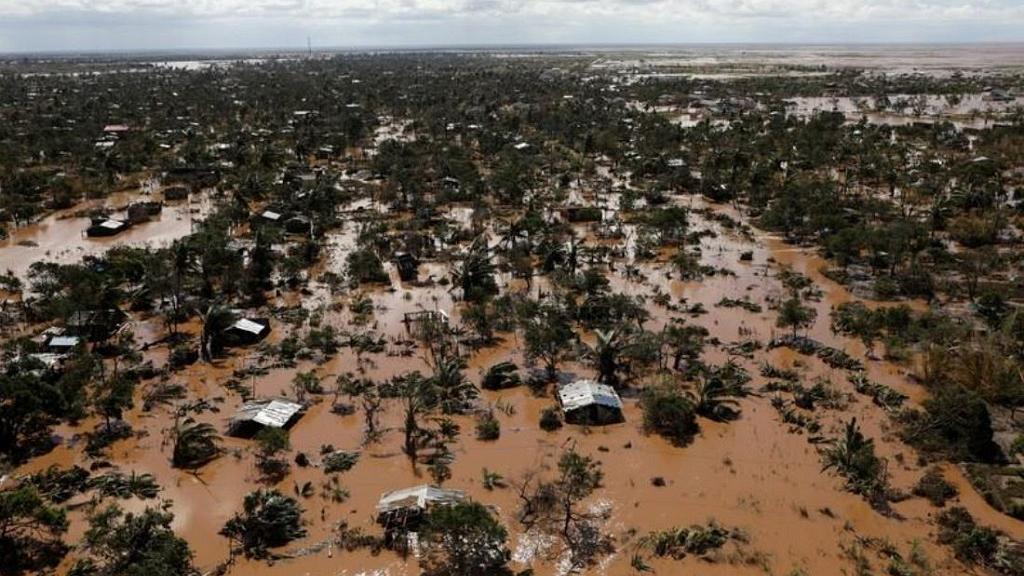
x=112 y=224
x=247 y=325
x=582 y=393
x=272 y=413
x=418 y=497
x=48 y=359
x=64 y=341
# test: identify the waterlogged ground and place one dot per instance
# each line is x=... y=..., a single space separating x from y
x=753 y=474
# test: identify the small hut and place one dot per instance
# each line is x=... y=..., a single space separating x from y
x=298 y=224
x=62 y=344
x=175 y=193
x=587 y=402
x=102 y=227
x=246 y=331
x=407 y=266
x=140 y=212
x=254 y=416
x=95 y=324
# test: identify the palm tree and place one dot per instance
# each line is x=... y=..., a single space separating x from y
x=475 y=273
x=853 y=457
x=215 y=320
x=605 y=354
x=195 y=444
x=453 y=392
x=715 y=399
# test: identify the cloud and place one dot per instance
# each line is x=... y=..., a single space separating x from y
x=61 y=24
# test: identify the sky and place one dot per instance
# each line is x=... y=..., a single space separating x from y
x=108 y=25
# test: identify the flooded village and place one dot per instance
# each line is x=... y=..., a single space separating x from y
x=671 y=311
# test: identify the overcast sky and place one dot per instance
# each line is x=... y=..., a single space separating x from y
x=55 y=25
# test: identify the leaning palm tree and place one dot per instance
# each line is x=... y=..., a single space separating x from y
x=715 y=399
x=195 y=444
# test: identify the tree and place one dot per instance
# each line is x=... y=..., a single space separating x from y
x=548 y=336
x=128 y=544
x=474 y=274
x=606 y=352
x=853 y=457
x=195 y=444
x=269 y=519
x=793 y=314
x=30 y=532
x=216 y=319
x=271 y=443
x=465 y=539
x=451 y=391
x=668 y=412
x=715 y=398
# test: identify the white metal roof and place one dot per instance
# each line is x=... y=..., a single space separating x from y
x=112 y=224
x=247 y=325
x=270 y=215
x=48 y=359
x=64 y=341
x=418 y=497
x=582 y=393
x=275 y=413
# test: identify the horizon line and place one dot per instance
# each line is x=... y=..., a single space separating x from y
x=482 y=47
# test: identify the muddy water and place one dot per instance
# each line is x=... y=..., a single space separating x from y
x=60 y=237
x=752 y=474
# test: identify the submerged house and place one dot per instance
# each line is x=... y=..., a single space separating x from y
x=142 y=211
x=271 y=216
x=253 y=416
x=298 y=225
x=176 y=193
x=62 y=344
x=101 y=227
x=247 y=331
x=402 y=511
x=588 y=402
x=95 y=324
x=407 y=266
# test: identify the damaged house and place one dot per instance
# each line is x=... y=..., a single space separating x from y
x=256 y=415
x=401 y=512
x=247 y=331
x=588 y=402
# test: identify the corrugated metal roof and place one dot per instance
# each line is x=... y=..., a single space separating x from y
x=275 y=413
x=418 y=497
x=112 y=224
x=582 y=393
x=64 y=341
x=247 y=325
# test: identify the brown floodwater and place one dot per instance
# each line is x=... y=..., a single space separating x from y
x=60 y=236
x=752 y=474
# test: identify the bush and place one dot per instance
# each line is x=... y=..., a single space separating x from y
x=669 y=413
x=550 y=419
x=488 y=427
x=956 y=423
x=934 y=487
x=500 y=376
